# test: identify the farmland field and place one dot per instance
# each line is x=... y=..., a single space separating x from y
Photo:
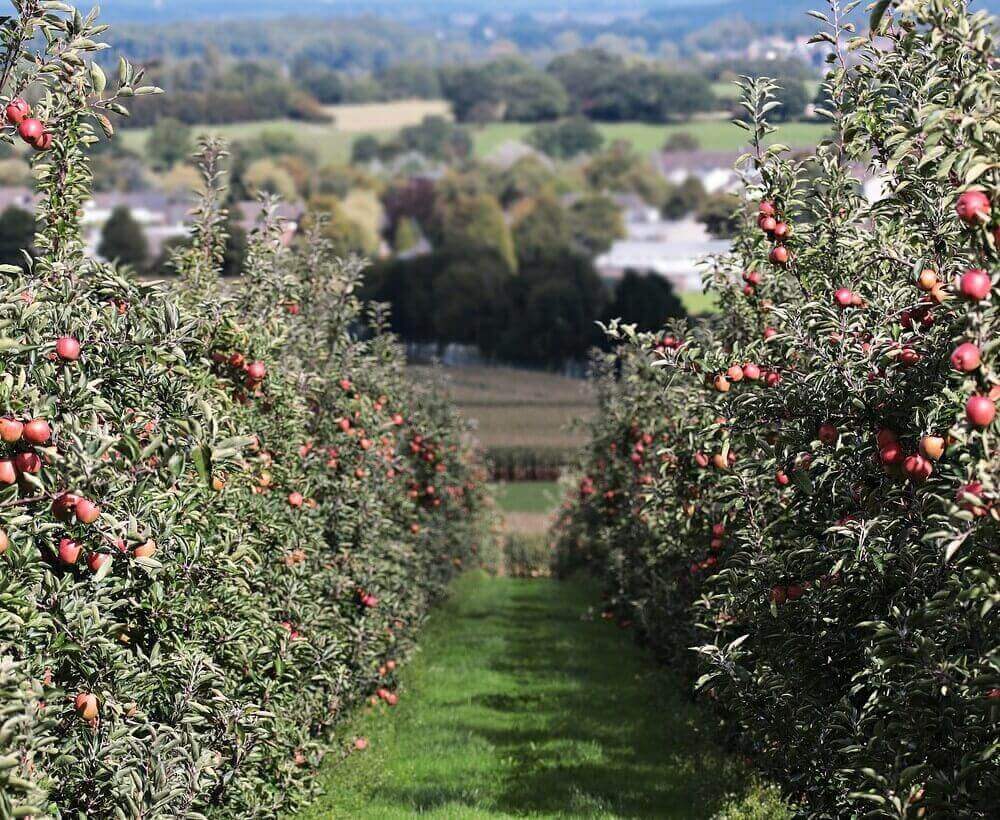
x=520 y=408
x=333 y=141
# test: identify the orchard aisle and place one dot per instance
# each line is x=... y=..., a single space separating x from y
x=523 y=703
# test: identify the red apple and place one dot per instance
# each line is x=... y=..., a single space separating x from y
x=8 y=472
x=37 y=431
x=256 y=371
x=980 y=410
x=30 y=129
x=781 y=230
x=11 y=430
x=917 y=468
x=751 y=371
x=779 y=595
x=766 y=207
x=146 y=550
x=927 y=280
x=767 y=223
x=87 y=512
x=360 y=743
x=295 y=499
x=28 y=462
x=43 y=142
x=781 y=477
x=69 y=551
x=828 y=433
x=843 y=297
x=68 y=348
x=973 y=207
x=975 y=284
x=779 y=255
x=87 y=705
x=891 y=453
x=721 y=384
x=4 y=542
x=63 y=506
x=769 y=333
x=965 y=357
x=17 y=109
x=735 y=373
x=96 y=560
x=932 y=447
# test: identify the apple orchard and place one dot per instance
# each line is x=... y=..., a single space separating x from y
x=224 y=511
x=806 y=488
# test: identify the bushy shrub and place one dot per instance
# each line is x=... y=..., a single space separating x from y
x=806 y=487
x=228 y=510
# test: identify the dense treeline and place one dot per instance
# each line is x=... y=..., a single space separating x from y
x=806 y=487
x=224 y=510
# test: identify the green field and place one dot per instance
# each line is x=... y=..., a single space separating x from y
x=696 y=303
x=333 y=143
x=712 y=135
x=523 y=702
x=527 y=496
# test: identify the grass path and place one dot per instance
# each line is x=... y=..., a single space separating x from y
x=522 y=703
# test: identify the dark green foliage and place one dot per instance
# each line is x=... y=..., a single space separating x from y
x=123 y=240
x=169 y=142
x=17 y=233
x=646 y=300
x=565 y=139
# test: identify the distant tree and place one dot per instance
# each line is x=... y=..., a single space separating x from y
x=472 y=225
x=528 y=178
x=532 y=97
x=542 y=232
x=646 y=300
x=365 y=149
x=413 y=198
x=619 y=169
x=268 y=176
x=17 y=233
x=595 y=222
x=651 y=94
x=794 y=97
x=556 y=305
x=567 y=138
x=407 y=235
x=325 y=84
x=437 y=138
x=684 y=199
x=123 y=240
x=718 y=214
x=235 y=254
x=581 y=74
x=344 y=229
x=681 y=141
x=414 y=80
x=169 y=142
x=407 y=285
x=471 y=299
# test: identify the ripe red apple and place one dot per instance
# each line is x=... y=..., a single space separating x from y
x=779 y=255
x=718 y=530
x=767 y=223
x=766 y=206
x=30 y=129
x=237 y=360
x=28 y=462
x=87 y=705
x=843 y=297
x=781 y=477
x=69 y=551
x=917 y=468
x=43 y=142
x=828 y=433
x=735 y=373
x=87 y=512
x=37 y=431
x=8 y=472
x=360 y=743
x=751 y=371
x=769 y=333
x=68 y=349
x=4 y=542
x=345 y=385
x=980 y=410
x=256 y=371
x=11 y=430
x=63 y=506
x=146 y=550
x=794 y=592
x=781 y=230
x=965 y=357
x=96 y=560
x=17 y=109
x=295 y=499
x=699 y=458
x=932 y=447
x=891 y=452
x=975 y=284
x=973 y=207
x=721 y=384
x=773 y=378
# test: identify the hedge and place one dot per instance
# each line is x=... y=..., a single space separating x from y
x=805 y=488
x=229 y=509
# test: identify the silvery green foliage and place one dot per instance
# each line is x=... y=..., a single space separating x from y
x=844 y=609
x=266 y=539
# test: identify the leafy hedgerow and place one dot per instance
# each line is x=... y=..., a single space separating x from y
x=807 y=487
x=223 y=511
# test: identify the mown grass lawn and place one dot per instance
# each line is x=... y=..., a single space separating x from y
x=527 y=496
x=524 y=702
